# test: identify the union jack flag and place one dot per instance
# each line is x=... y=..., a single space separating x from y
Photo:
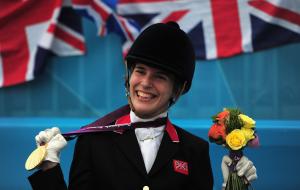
x=218 y=28
x=181 y=167
x=30 y=31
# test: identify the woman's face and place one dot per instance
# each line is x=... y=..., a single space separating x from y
x=150 y=90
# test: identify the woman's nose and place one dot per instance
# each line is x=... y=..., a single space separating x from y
x=147 y=81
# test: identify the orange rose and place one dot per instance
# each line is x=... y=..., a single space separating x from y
x=217 y=133
x=221 y=117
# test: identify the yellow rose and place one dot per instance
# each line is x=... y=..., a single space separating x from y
x=247 y=121
x=249 y=133
x=236 y=139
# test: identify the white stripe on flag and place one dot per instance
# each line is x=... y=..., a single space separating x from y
x=209 y=33
x=102 y=5
x=156 y=7
x=57 y=46
x=245 y=24
x=67 y=3
x=1 y=71
x=277 y=21
x=61 y=48
x=292 y=5
x=30 y=66
x=34 y=34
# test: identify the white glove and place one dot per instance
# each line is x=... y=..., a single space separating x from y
x=244 y=167
x=55 y=143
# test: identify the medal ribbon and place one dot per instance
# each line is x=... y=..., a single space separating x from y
x=127 y=126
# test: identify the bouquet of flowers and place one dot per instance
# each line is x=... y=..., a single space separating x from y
x=235 y=131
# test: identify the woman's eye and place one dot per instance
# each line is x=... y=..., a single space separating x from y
x=139 y=71
x=162 y=77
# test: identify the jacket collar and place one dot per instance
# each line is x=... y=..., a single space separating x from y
x=170 y=129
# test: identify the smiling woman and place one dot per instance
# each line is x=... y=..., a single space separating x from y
x=151 y=90
x=152 y=155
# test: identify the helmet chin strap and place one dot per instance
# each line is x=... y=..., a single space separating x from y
x=178 y=94
x=129 y=101
x=127 y=93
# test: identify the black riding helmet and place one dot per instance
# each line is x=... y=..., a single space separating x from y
x=167 y=47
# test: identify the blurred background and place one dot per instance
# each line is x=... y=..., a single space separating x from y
x=70 y=92
x=263 y=84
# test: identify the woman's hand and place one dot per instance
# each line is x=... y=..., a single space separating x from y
x=54 y=142
x=244 y=167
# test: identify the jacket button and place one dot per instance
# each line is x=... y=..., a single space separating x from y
x=146 y=187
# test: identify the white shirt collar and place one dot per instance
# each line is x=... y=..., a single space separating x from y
x=143 y=134
x=135 y=118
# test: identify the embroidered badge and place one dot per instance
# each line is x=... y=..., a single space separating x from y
x=181 y=167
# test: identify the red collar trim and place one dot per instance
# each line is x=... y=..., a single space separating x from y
x=171 y=130
x=124 y=119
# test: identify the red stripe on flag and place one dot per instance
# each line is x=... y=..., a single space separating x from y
x=51 y=28
x=67 y=37
x=15 y=58
x=175 y=16
x=227 y=27
x=276 y=11
x=101 y=10
x=80 y=2
x=124 y=26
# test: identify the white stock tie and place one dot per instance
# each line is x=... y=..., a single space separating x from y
x=149 y=140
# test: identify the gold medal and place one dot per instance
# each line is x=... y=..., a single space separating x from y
x=36 y=157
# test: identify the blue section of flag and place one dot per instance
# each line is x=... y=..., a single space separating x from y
x=197 y=37
x=69 y=18
x=111 y=3
x=266 y=35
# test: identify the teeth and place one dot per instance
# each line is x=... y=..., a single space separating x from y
x=144 y=95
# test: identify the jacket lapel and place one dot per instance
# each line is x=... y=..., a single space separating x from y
x=129 y=146
x=166 y=151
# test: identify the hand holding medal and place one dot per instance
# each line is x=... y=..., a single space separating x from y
x=49 y=144
x=51 y=141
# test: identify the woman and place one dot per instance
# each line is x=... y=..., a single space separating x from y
x=160 y=67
